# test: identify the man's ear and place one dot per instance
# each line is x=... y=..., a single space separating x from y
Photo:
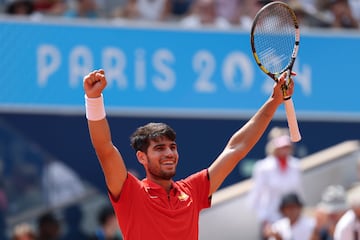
x=141 y=157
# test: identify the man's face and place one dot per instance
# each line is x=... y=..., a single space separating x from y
x=161 y=159
x=292 y=211
x=206 y=9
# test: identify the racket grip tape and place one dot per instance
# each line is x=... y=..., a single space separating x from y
x=295 y=135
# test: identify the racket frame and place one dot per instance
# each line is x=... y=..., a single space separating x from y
x=290 y=65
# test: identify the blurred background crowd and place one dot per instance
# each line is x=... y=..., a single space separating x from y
x=43 y=198
x=189 y=13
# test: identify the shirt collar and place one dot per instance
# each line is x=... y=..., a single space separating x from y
x=150 y=185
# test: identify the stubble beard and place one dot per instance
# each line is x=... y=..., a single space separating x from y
x=161 y=174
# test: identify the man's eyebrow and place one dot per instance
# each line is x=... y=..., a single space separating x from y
x=164 y=144
x=159 y=144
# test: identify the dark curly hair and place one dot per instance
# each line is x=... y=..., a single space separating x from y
x=140 y=139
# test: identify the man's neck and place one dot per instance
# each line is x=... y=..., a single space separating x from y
x=165 y=184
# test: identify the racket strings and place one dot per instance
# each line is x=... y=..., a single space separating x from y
x=274 y=38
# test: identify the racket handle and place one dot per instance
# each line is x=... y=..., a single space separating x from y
x=292 y=121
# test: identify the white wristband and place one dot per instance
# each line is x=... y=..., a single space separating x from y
x=95 y=109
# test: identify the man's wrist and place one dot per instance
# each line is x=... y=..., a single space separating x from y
x=95 y=109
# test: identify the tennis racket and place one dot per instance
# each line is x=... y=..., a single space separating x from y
x=275 y=38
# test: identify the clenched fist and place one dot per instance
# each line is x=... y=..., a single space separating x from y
x=94 y=83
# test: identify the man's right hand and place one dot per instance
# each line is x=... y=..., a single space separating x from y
x=94 y=83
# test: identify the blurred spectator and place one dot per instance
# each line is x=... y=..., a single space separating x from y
x=230 y=10
x=49 y=227
x=294 y=224
x=348 y=227
x=23 y=186
x=250 y=8
x=308 y=16
x=180 y=8
x=108 y=227
x=23 y=231
x=153 y=10
x=338 y=13
x=83 y=9
x=128 y=10
x=60 y=183
x=73 y=217
x=274 y=177
x=50 y=7
x=355 y=8
x=204 y=13
x=328 y=212
x=308 y=5
x=20 y=7
x=343 y=16
x=304 y=16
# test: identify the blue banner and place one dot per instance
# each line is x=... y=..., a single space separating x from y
x=169 y=71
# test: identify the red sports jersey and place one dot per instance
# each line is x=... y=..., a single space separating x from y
x=145 y=211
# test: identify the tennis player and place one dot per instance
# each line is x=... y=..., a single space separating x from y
x=158 y=207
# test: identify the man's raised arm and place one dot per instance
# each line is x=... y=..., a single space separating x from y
x=110 y=159
x=243 y=140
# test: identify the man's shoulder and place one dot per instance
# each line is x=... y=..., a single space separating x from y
x=197 y=175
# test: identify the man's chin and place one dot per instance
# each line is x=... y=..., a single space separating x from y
x=169 y=175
